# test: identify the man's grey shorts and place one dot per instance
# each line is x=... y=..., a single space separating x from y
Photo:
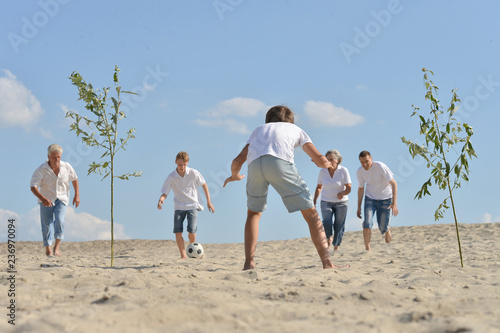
x=285 y=179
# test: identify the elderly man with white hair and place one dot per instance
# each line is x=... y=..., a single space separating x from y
x=50 y=183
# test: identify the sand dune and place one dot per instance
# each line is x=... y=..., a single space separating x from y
x=414 y=284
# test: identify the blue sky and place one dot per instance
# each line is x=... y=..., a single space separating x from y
x=206 y=73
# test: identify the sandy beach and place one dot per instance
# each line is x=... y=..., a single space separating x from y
x=414 y=284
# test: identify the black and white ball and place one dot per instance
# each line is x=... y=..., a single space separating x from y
x=195 y=250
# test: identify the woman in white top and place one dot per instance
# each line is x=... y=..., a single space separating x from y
x=336 y=185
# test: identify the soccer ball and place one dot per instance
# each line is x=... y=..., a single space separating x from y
x=195 y=250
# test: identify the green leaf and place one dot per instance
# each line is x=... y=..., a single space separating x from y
x=116 y=105
x=130 y=92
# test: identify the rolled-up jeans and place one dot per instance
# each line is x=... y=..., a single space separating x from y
x=336 y=211
x=52 y=220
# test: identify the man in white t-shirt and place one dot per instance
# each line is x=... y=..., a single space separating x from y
x=377 y=180
x=270 y=156
x=50 y=183
x=184 y=182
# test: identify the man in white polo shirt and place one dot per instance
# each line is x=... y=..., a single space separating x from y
x=50 y=184
x=380 y=197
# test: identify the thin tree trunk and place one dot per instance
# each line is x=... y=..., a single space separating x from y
x=456 y=225
x=112 y=231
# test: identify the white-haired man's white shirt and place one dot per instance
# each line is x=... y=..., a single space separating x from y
x=377 y=180
x=186 y=193
x=51 y=186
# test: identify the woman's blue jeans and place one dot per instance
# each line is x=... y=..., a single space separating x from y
x=334 y=215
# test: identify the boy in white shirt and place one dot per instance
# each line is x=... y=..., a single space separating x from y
x=184 y=182
x=270 y=156
x=380 y=197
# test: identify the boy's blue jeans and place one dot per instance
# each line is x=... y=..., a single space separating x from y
x=192 y=220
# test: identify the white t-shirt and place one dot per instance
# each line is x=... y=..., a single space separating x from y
x=51 y=186
x=333 y=185
x=276 y=139
x=377 y=180
x=186 y=193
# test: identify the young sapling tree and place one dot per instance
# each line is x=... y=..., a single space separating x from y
x=447 y=149
x=105 y=125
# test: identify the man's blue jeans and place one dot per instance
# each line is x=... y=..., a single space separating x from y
x=381 y=208
x=52 y=219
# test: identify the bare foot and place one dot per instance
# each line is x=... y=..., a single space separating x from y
x=249 y=265
x=48 y=251
x=328 y=264
x=388 y=236
x=183 y=258
x=57 y=252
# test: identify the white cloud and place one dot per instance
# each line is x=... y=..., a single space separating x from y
x=231 y=125
x=224 y=114
x=78 y=226
x=327 y=114
x=238 y=106
x=65 y=109
x=18 y=106
x=45 y=133
x=488 y=218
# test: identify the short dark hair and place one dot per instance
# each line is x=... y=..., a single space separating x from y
x=364 y=153
x=279 y=113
